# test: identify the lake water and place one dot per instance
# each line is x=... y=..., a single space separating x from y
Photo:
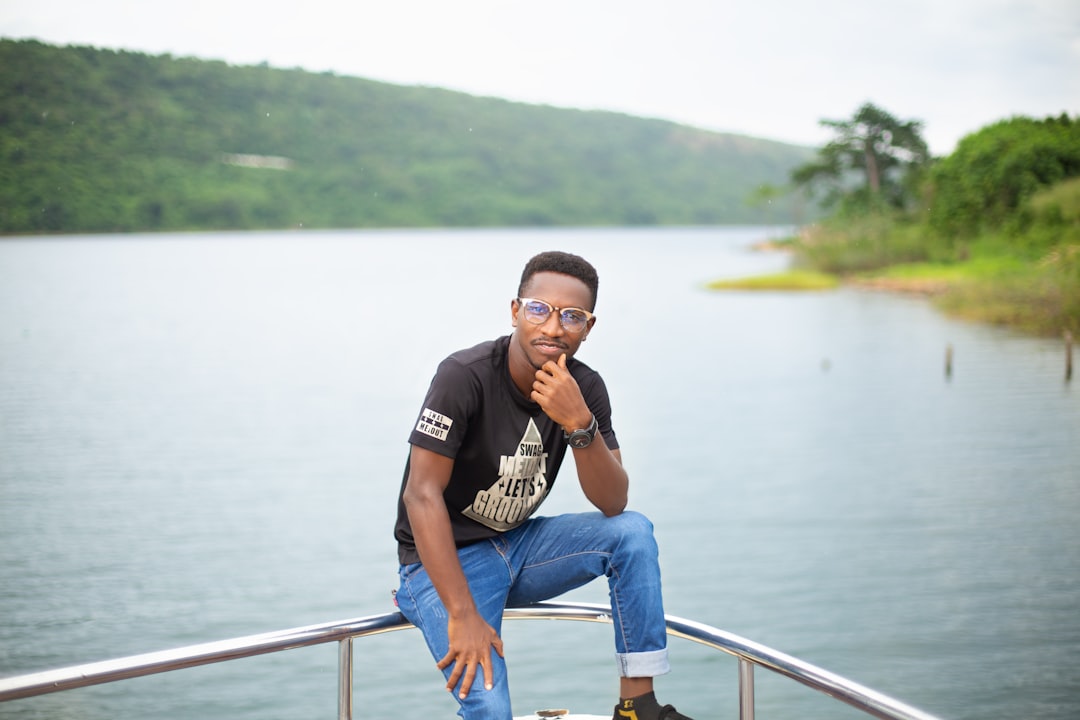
x=202 y=437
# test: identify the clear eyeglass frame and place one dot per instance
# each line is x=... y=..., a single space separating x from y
x=572 y=319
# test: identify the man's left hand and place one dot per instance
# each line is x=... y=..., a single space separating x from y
x=558 y=395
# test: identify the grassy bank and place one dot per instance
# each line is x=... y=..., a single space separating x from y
x=1040 y=298
x=788 y=281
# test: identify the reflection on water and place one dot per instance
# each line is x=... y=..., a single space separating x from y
x=202 y=437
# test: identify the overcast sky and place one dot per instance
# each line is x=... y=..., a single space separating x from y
x=767 y=68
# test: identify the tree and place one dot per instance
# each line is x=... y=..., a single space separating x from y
x=876 y=161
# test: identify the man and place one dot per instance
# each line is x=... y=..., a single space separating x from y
x=496 y=424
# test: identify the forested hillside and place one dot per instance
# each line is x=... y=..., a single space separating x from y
x=100 y=141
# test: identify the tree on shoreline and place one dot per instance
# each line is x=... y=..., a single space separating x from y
x=876 y=161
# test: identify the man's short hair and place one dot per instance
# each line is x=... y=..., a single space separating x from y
x=565 y=263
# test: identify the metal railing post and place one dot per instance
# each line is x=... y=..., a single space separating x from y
x=345 y=678
x=746 y=689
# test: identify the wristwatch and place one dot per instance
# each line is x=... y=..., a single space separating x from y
x=583 y=438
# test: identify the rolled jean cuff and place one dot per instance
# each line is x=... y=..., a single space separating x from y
x=643 y=664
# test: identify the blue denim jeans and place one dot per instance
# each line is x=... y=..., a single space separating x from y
x=539 y=560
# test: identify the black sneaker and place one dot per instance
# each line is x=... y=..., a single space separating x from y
x=645 y=707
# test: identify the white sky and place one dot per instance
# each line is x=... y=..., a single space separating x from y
x=767 y=68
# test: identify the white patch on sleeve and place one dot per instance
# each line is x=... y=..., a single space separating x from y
x=434 y=424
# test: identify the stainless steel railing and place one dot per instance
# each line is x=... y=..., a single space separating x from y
x=344 y=632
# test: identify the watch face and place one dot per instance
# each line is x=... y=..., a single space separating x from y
x=580 y=438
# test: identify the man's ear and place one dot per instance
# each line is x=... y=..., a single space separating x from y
x=513 y=312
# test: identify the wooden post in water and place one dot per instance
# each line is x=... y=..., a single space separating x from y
x=948 y=361
x=1068 y=355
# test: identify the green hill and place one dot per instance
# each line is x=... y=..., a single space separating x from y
x=100 y=141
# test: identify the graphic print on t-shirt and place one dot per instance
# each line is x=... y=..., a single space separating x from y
x=434 y=424
x=521 y=486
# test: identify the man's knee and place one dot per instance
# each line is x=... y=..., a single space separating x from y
x=634 y=532
x=635 y=521
x=485 y=704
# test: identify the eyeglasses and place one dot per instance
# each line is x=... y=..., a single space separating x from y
x=537 y=312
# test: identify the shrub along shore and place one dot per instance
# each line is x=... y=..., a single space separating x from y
x=999 y=276
x=1039 y=296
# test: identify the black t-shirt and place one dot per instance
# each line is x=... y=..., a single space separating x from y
x=506 y=451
